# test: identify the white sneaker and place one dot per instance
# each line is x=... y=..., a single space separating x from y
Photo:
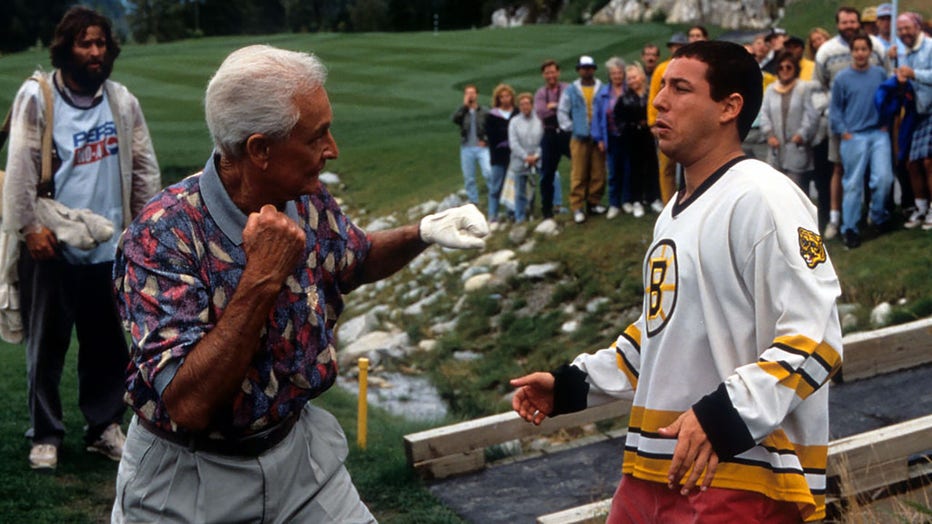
x=597 y=209
x=656 y=206
x=831 y=231
x=110 y=443
x=612 y=212
x=927 y=223
x=916 y=219
x=43 y=456
x=627 y=208
x=638 y=210
x=579 y=217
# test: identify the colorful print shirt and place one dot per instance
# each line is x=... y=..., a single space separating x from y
x=178 y=268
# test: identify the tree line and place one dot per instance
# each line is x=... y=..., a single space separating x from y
x=31 y=22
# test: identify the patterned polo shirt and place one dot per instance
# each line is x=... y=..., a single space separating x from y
x=180 y=263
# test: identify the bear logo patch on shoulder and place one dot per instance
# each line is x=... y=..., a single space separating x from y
x=811 y=247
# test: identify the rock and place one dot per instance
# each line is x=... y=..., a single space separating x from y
x=373 y=345
x=452 y=201
x=494 y=259
x=473 y=271
x=849 y=322
x=510 y=17
x=381 y=224
x=427 y=344
x=538 y=271
x=570 y=326
x=506 y=271
x=547 y=227
x=517 y=234
x=844 y=309
x=730 y=14
x=354 y=328
x=466 y=355
x=330 y=179
x=881 y=315
x=442 y=328
x=435 y=267
x=423 y=209
x=596 y=304
x=477 y=282
x=418 y=307
x=528 y=247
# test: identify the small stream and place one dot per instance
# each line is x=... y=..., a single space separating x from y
x=411 y=397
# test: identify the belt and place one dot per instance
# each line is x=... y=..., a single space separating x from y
x=249 y=446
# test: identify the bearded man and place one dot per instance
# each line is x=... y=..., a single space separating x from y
x=102 y=160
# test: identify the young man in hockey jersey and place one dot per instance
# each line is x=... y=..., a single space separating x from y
x=739 y=334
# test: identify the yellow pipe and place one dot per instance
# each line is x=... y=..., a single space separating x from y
x=361 y=422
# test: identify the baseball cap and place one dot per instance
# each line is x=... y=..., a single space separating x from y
x=794 y=41
x=869 y=14
x=775 y=31
x=678 y=39
x=586 y=61
x=884 y=10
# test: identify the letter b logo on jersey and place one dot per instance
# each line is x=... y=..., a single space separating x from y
x=660 y=281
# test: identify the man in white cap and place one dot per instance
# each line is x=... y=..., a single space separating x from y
x=884 y=13
x=574 y=114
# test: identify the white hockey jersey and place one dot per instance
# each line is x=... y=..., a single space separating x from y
x=739 y=322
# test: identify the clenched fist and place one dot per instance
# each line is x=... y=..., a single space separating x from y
x=274 y=244
x=461 y=227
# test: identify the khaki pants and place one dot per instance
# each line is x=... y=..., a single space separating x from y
x=587 y=175
x=301 y=479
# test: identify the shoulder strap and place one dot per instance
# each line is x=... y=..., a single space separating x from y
x=47 y=132
x=46 y=173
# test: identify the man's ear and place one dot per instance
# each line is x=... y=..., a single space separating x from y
x=257 y=149
x=731 y=107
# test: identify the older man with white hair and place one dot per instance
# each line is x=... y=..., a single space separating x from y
x=232 y=281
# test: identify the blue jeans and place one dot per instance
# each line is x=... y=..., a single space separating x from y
x=496 y=182
x=865 y=147
x=619 y=177
x=469 y=156
x=521 y=196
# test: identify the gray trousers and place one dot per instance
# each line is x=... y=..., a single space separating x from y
x=301 y=479
x=55 y=297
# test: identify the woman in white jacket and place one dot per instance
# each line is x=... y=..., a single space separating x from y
x=524 y=134
x=789 y=119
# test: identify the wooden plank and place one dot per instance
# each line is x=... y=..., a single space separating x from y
x=488 y=431
x=888 y=349
x=858 y=452
x=451 y=465
x=594 y=512
x=871 y=460
x=874 y=476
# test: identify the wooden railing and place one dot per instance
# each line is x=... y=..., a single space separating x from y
x=460 y=448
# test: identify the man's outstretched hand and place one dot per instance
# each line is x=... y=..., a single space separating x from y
x=533 y=399
x=461 y=227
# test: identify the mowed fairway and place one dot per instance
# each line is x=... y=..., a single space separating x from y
x=392 y=94
x=392 y=97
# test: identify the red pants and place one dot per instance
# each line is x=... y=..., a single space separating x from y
x=641 y=502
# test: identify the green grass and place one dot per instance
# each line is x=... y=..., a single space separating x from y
x=392 y=96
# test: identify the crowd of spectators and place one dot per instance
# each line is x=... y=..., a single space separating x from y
x=848 y=117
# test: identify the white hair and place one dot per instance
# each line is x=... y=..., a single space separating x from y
x=254 y=91
x=615 y=63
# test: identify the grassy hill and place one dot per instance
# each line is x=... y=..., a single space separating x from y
x=392 y=96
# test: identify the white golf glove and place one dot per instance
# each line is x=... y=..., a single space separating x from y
x=460 y=227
